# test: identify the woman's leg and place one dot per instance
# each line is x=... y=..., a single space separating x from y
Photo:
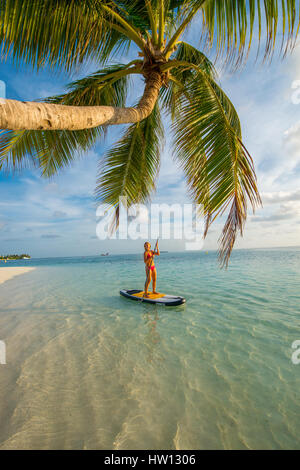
x=148 y=280
x=154 y=277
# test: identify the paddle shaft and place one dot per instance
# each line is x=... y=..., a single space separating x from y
x=155 y=248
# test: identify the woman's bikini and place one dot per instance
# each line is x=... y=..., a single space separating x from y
x=153 y=265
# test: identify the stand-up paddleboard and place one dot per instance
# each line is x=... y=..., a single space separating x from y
x=161 y=299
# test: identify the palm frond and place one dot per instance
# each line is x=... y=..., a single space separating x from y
x=130 y=168
x=188 y=62
x=108 y=86
x=53 y=150
x=218 y=167
x=188 y=53
x=185 y=57
x=59 y=33
x=175 y=15
x=49 y=151
x=138 y=13
x=231 y=25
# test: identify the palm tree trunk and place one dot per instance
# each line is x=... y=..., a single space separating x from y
x=19 y=115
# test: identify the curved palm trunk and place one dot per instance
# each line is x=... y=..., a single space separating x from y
x=19 y=115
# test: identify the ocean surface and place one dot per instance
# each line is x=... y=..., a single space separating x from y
x=88 y=369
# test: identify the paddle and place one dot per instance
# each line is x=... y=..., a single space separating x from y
x=155 y=248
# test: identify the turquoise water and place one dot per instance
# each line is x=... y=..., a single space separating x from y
x=88 y=369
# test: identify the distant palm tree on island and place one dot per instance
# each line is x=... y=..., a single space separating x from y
x=179 y=79
x=14 y=257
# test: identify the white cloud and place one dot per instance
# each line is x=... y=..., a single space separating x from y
x=280 y=196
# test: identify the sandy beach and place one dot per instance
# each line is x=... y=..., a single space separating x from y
x=10 y=272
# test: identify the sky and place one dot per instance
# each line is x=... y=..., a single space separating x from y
x=57 y=217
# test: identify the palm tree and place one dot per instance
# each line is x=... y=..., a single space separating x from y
x=179 y=79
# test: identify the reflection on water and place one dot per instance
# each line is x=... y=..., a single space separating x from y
x=89 y=369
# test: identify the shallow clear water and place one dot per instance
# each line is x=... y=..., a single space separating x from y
x=87 y=368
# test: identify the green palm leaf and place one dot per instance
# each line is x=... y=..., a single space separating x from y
x=182 y=74
x=218 y=168
x=188 y=62
x=137 y=13
x=232 y=24
x=187 y=53
x=107 y=87
x=130 y=168
x=56 y=32
x=53 y=150
x=48 y=150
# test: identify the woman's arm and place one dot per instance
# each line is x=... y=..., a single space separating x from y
x=156 y=253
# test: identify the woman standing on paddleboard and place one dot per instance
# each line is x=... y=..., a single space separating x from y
x=150 y=267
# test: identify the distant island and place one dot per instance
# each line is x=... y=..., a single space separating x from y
x=15 y=257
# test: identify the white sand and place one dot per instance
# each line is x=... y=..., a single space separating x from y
x=10 y=272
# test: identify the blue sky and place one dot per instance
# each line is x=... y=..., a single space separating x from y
x=57 y=217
